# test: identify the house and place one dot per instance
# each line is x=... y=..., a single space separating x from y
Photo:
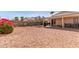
x=65 y=19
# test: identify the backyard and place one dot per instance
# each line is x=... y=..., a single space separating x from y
x=39 y=37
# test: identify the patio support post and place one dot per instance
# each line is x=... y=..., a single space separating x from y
x=50 y=23
x=43 y=22
x=62 y=22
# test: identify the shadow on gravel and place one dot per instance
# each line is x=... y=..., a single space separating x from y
x=3 y=35
x=65 y=29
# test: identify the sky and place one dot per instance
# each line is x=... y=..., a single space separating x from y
x=11 y=14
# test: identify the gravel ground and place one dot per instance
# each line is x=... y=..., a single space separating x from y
x=38 y=37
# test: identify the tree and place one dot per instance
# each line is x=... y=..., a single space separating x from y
x=22 y=18
x=39 y=17
x=13 y=20
x=16 y=18
x=51 y=12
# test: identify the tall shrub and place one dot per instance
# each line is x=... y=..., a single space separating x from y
x=6 y=26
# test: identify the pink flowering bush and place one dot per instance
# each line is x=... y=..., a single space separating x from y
x=6 y=26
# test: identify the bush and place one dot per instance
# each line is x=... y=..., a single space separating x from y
x=6 y=26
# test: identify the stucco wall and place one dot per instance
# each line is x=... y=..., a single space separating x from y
x=68 y=20
x=58 y=21
x=78 y=19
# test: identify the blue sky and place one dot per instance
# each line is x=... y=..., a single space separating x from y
x=11 y=14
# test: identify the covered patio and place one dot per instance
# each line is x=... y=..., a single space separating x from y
x=65 y=20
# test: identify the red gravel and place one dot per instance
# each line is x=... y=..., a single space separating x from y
x=35 y=37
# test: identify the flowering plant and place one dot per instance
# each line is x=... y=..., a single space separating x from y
x=6 y=26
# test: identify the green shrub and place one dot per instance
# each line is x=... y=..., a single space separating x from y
x=5 y=29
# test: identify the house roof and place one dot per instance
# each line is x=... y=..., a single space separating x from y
x=65 y=13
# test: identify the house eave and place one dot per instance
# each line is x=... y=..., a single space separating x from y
x=70 y=15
